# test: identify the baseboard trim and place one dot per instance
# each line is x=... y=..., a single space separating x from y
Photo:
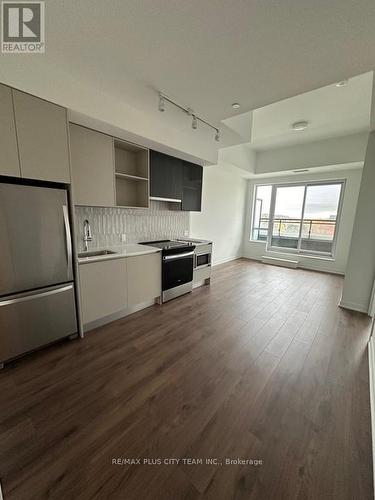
x=371 y=362
x=275 y=261
x=352 y=306
x=321 y=270
x=223 y=261
x=306 y=267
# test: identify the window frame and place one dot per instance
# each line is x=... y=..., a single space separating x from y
x=254 y=200
x=298 y=251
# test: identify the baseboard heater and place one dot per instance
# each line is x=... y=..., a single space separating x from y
x=279 y=262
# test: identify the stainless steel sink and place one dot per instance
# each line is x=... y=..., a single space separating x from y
x=96 y=253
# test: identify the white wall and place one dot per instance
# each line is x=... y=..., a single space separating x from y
x=134 y=112
x=335 y=151
x=223 y=209
x=239 y=156
x=360 y=274
x=255 y=249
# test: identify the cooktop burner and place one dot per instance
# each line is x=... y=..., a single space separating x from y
x=168 y=244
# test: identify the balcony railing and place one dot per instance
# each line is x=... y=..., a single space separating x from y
x=317 y=234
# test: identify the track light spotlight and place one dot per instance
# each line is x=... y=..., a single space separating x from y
x=161 y=103
x=195 y=118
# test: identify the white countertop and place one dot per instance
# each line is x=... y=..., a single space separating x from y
x=129 y=250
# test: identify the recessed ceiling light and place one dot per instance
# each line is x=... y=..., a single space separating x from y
x=301 y=170
x=302 y=125
x=236 y=105
x=342 y=83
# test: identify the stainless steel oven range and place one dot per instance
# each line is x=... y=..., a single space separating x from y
x=177 y=267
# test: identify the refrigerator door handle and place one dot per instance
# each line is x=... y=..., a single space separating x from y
x=68 y=239
x=34 y=295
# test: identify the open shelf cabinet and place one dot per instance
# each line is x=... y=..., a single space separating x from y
x=131 y=175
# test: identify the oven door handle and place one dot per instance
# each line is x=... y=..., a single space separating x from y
x=178 y=256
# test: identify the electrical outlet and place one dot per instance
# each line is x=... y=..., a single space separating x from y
x=123 y=238
x=186 y=233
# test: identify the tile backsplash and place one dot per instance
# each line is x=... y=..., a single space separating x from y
x=108 y=224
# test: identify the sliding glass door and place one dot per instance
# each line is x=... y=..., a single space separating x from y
x=304 y=217
x=287 y=216
x=320 y=217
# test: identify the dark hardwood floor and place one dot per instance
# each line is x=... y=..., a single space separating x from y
x=261 y=365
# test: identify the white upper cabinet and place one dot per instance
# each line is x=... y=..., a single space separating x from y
x=9 y=162
x=92 y=167
x=42 y=133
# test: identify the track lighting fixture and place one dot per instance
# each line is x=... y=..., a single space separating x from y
x=342 y=83
x=301 y=125
x=161 y=103
x=194 y=123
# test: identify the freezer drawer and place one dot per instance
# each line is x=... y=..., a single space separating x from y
x=29 y=321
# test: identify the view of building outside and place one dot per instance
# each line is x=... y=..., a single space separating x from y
x=318 y=219
x=261 y=213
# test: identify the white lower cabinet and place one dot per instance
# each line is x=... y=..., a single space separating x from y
x=111 y=288
x=144 y=278
x=103 y=289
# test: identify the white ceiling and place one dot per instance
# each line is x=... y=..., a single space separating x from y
x=209 y=54
x=205 y=55
x=330 y=111
x=338 y=125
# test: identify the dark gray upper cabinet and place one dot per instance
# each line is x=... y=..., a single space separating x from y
x=175 y=179
x=165 y=176
x=192 y=187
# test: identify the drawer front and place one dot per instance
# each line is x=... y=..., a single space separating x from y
x=201 y=274
x=31 y=321
x=203 y=249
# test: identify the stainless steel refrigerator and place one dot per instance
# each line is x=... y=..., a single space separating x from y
x=37 y=296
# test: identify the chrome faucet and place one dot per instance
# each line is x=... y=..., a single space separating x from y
x=87 y=236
